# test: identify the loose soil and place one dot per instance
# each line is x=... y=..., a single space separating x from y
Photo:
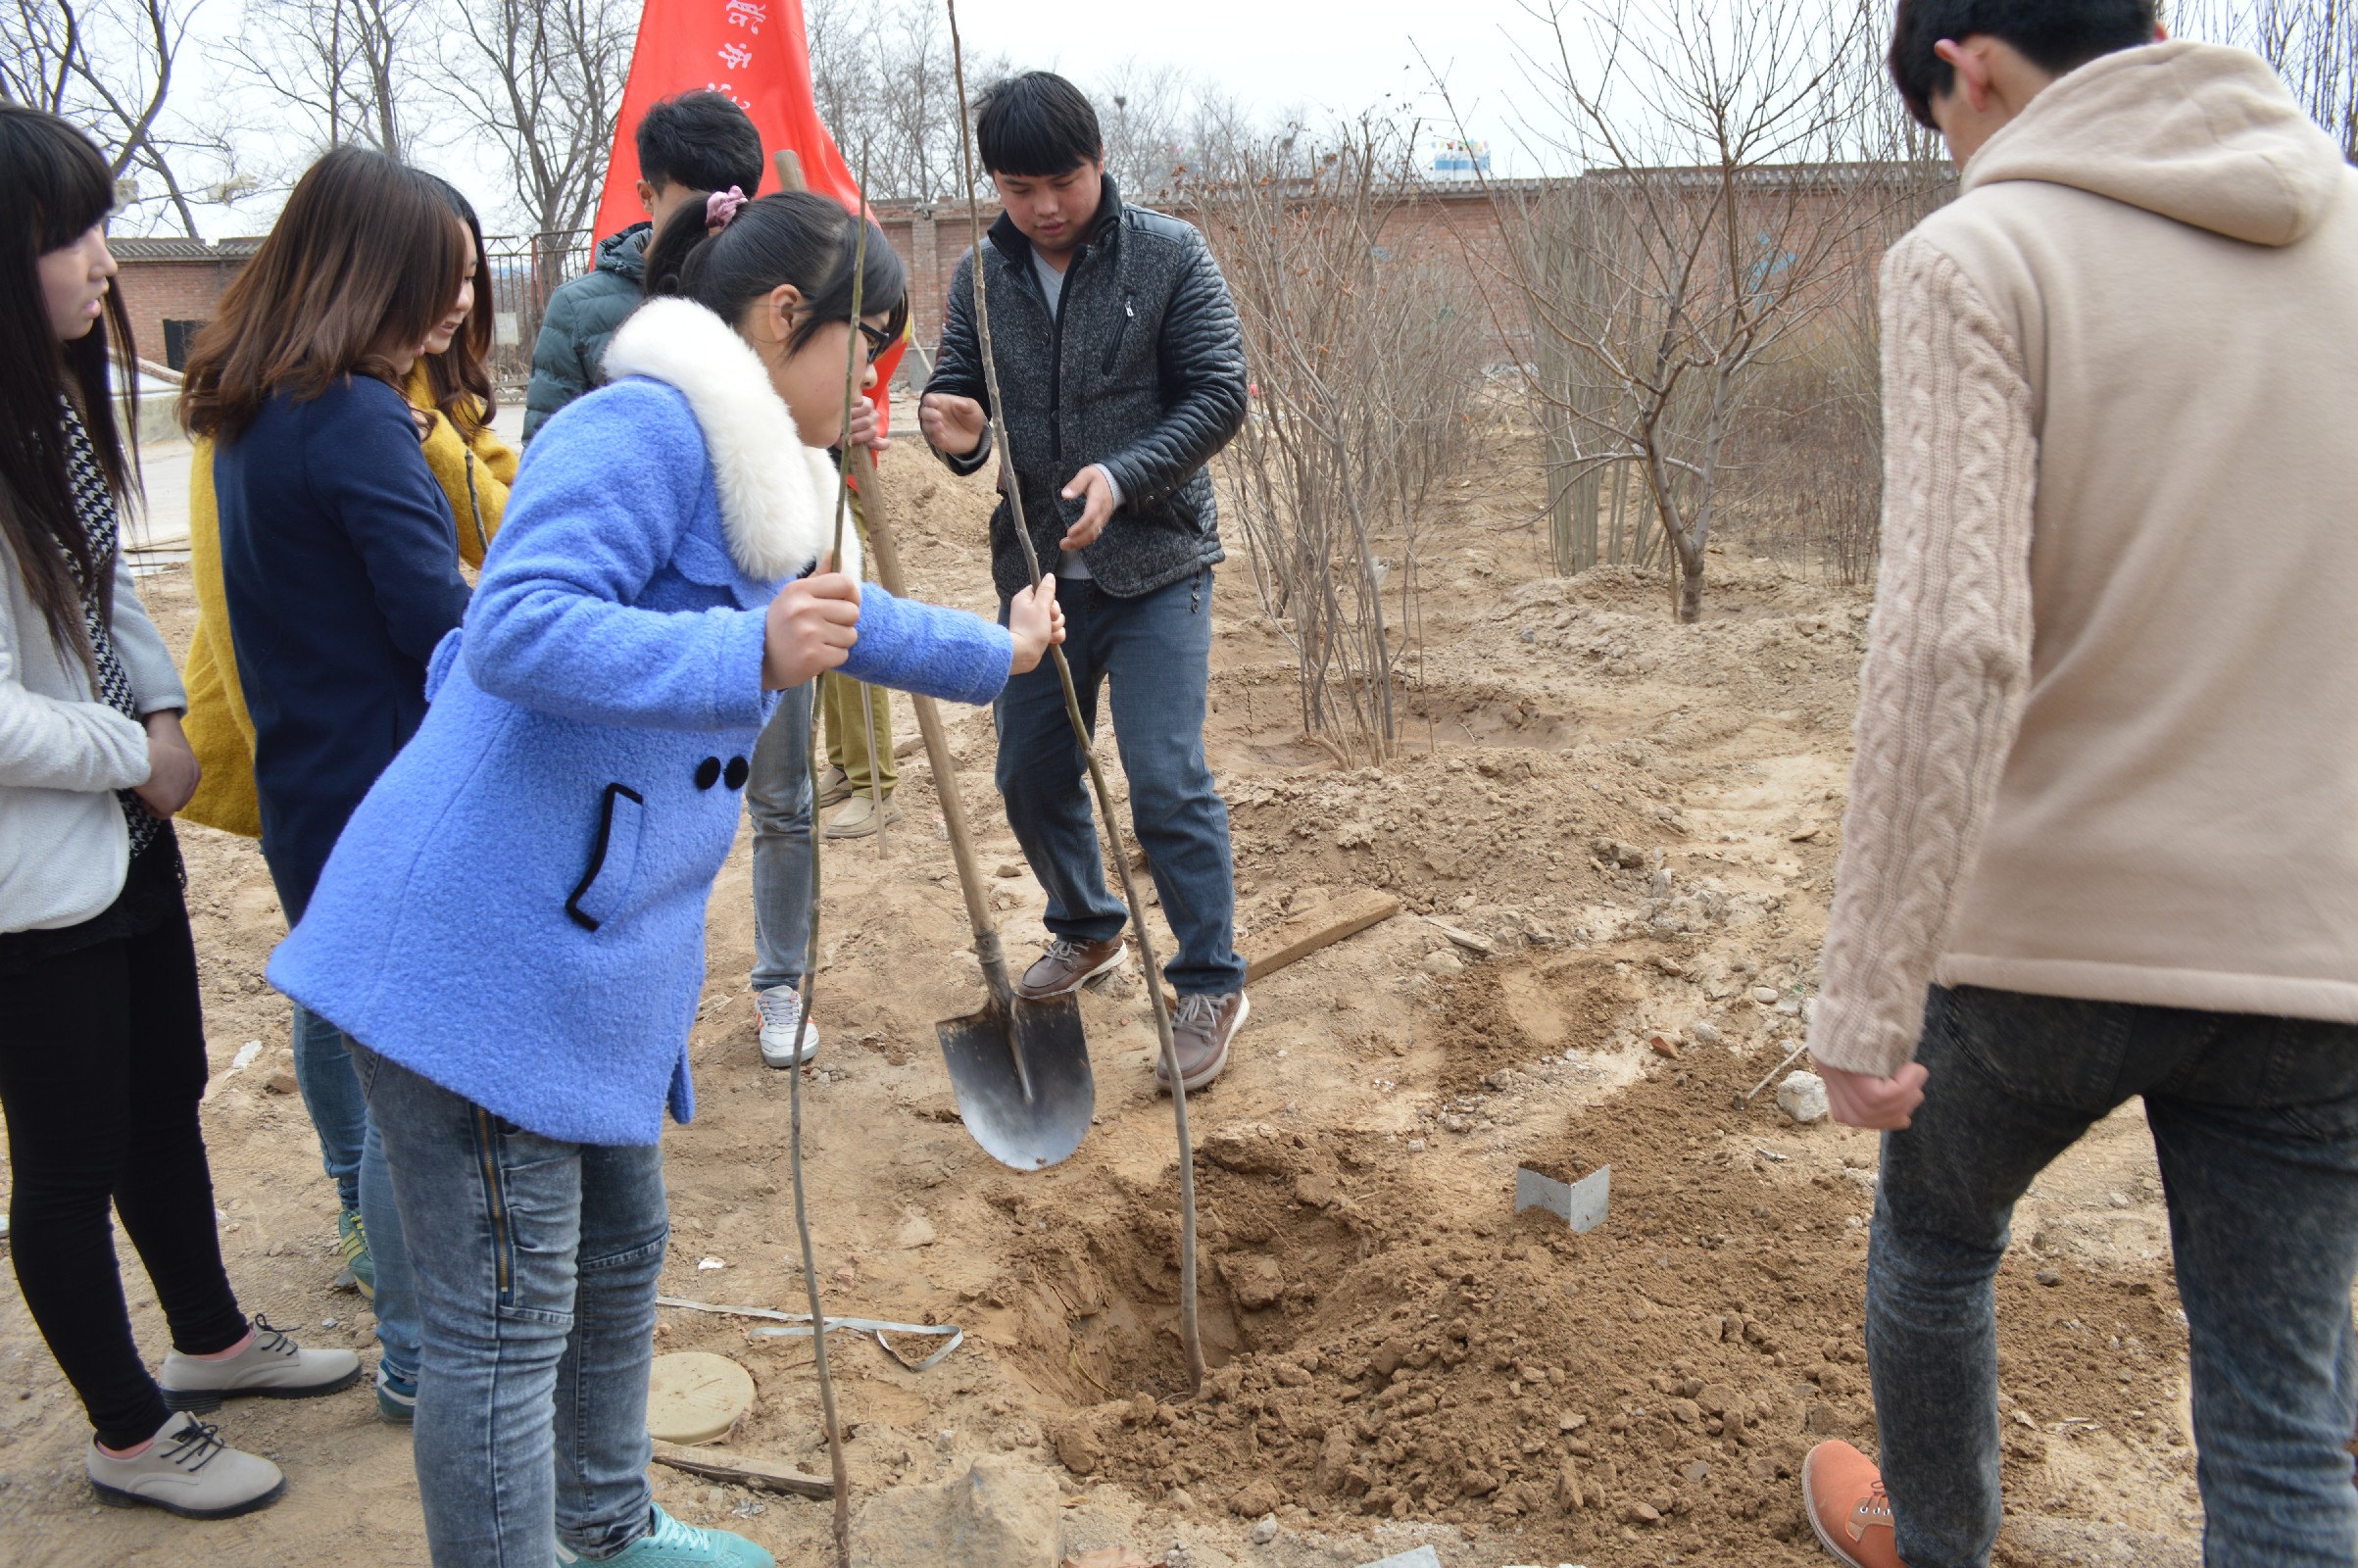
x=1639 y=820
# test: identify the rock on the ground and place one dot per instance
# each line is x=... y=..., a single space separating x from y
x=1076 y=1447
x=1802 y=1097
x=998 y=1515
x=1418 y=1557
x=1255 y=1498
x=1257 y=1282
x=1264 y=1530
x=1249 y=1149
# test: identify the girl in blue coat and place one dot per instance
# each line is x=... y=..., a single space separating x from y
x=567 y=804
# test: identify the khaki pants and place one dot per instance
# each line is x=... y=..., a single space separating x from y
x=847 y=730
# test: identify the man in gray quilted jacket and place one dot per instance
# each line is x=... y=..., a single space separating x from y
x=1124 y=370
x=688 y=146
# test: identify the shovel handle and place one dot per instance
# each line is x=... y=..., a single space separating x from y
x=937 y=744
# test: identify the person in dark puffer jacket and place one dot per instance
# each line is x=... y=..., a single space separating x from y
x=1122 y=366
x=689 y=146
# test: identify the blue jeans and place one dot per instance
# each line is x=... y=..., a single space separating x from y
x=777 y=794
x=1156 y=650
x=355 y=1157
x=536 y=1262
x=2255 y=1121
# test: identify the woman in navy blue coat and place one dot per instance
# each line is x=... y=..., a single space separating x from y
x=565 y=808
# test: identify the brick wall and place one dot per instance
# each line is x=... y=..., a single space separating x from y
x=1450 y=226
x=173 y=279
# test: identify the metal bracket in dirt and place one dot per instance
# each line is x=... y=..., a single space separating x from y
x=875 y=1328
x=1581 y=1204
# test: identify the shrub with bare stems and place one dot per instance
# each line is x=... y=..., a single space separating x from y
x=1367 y=356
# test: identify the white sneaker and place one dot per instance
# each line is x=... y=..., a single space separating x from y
x=271 y=1365
x=781 y=1011
x=186 y=1469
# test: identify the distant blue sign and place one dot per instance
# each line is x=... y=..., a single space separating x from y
x=1456 y=157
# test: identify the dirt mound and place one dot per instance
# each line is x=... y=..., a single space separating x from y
x=1665 y=1372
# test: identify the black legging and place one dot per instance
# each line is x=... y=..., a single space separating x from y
x=102 y=1062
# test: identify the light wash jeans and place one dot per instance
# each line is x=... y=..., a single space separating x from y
x=2255 y=1120
x=355 y=1158
x=778 y=795
x=1155 y=652
x=536 y=1262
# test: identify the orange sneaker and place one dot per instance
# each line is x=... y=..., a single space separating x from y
x=1844 y=1493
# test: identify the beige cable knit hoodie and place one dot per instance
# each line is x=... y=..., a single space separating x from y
x=2109 y=719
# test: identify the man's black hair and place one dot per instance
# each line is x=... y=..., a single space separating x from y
x=701 y=142
x=1037 y=127
x=2056 y=36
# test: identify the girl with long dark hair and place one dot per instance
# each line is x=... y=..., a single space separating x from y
x=566 y=807
x=102 y=1040
x=339 y=569
x=450 y=393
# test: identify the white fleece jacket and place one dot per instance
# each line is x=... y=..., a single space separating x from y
x=2109 y=719
x=64 y=844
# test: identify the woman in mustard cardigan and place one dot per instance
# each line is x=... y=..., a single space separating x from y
x=451 y=399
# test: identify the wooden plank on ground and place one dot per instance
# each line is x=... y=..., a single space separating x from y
x=1304 y=932
x=1300 y=934
x=718 y=1464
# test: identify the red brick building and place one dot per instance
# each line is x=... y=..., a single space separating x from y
x=173 y=280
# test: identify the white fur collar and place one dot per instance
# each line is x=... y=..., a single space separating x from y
x=777 y=496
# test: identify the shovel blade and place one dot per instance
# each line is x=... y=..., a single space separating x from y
x=992 y=1055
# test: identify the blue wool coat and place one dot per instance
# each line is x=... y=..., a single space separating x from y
x=574 y=790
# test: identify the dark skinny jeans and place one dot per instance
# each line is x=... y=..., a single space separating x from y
x=102 y=1062
x=2255 y=1121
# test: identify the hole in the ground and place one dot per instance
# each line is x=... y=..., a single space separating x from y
x=1286 y=1220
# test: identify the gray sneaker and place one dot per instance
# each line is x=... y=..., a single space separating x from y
x=781 y=1012
x=270 y=1365
x=186 y=1469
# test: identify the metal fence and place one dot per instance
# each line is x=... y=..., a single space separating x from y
x=522 y=271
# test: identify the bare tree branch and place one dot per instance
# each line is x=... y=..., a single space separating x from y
x=543 y=80
x=107 y=65
x=346 y=70
x=1720 y=208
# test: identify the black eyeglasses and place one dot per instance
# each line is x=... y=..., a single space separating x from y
x=879 y=341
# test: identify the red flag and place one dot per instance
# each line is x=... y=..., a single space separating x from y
x=756 y=52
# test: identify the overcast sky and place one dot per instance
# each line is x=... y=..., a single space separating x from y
x=1274 y=57
x=1277 y=54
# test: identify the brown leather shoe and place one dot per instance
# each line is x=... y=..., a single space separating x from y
x=1843 y=1490
x=1067 y=965
x=1200 y=1034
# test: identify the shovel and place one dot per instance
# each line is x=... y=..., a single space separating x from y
x=1020 y=1067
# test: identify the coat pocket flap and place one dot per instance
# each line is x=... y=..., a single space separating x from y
x=708 y=564
x=613 y=859
x=704 y=560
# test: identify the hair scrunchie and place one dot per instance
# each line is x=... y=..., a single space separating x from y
x=721 y=208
